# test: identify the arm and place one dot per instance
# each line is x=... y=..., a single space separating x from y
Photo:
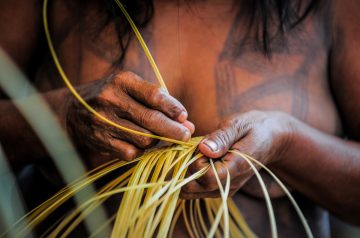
x=20 y=23
x=328 y=168
x=323 y=167
x=336 y=162
x=124 y=98
x=17 y=138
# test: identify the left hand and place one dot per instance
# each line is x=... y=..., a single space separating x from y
x=261 y=135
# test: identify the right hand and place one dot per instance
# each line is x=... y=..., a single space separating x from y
x=132 y=102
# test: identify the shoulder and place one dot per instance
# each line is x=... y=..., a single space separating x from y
x=344 y=65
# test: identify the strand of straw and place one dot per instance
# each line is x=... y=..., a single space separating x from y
x=81 y=100
x=288 y=194
x=170 y=189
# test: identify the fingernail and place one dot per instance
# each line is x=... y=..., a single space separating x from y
x=189 y=126
x=183 y=116
x=187 y=135
x=212 y=145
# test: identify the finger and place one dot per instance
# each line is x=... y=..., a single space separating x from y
x=116 y=148
x=198 y=164
x=218 y=143
x=142 y=142
x=191 y=196
x=194 y=187
x=195 y=190
x=109 y=132
x=198 y=192
x=208 y=181
x=189 y=125
x=235 y=164
x=124 y=151
x=153 y=96
x=239 y=169
x=156 y=122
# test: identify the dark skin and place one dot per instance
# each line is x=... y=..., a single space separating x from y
x=289 y=112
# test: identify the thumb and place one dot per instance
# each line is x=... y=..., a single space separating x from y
x=218 y=143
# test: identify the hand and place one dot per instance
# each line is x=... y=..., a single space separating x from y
x=132 y=102
x=262 y=135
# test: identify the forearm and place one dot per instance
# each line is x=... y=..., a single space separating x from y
x=324 y=168
x=21 y=144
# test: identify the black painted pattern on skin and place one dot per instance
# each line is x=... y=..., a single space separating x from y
x=295 y=84
x=248 y=57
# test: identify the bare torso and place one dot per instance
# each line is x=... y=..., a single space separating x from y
x=193 y=47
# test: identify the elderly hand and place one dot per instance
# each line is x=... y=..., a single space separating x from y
x=262 y=135
x=131 y=102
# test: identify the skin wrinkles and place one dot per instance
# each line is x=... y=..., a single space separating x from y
x=229 y=100
x=294 y=83
x=286 y=78
x=246 y=57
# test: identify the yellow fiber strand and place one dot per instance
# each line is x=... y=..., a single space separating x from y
x=224 y=195
x=288 y=194
x=143 y=45
x=210 y=214
x=192 y=219
x=204 y=229
x=234 y=211
x=80 y=99
x=120 y=181
x=175 y=218
x=186 y=221
x=40 y=213
x=273 y=227
x=150 y=205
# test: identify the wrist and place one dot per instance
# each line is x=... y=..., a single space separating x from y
x=288 y=139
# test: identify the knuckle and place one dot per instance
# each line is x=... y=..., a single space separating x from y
x=228 y=122
x=194 y=167
x=188 y=188
x=222 y=138
x=152 y=116
x=180 y=132
x=198 y=165
x=174 y=110
x=145 y=142
x=124 y=76
x=157 y=95
x=105 y=95
x=100 y=137
x=209 y=182
x=125 y=109
x=238 y=123
x=130 y=154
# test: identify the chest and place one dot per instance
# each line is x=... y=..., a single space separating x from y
x=215 y=71
x=212 y=68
